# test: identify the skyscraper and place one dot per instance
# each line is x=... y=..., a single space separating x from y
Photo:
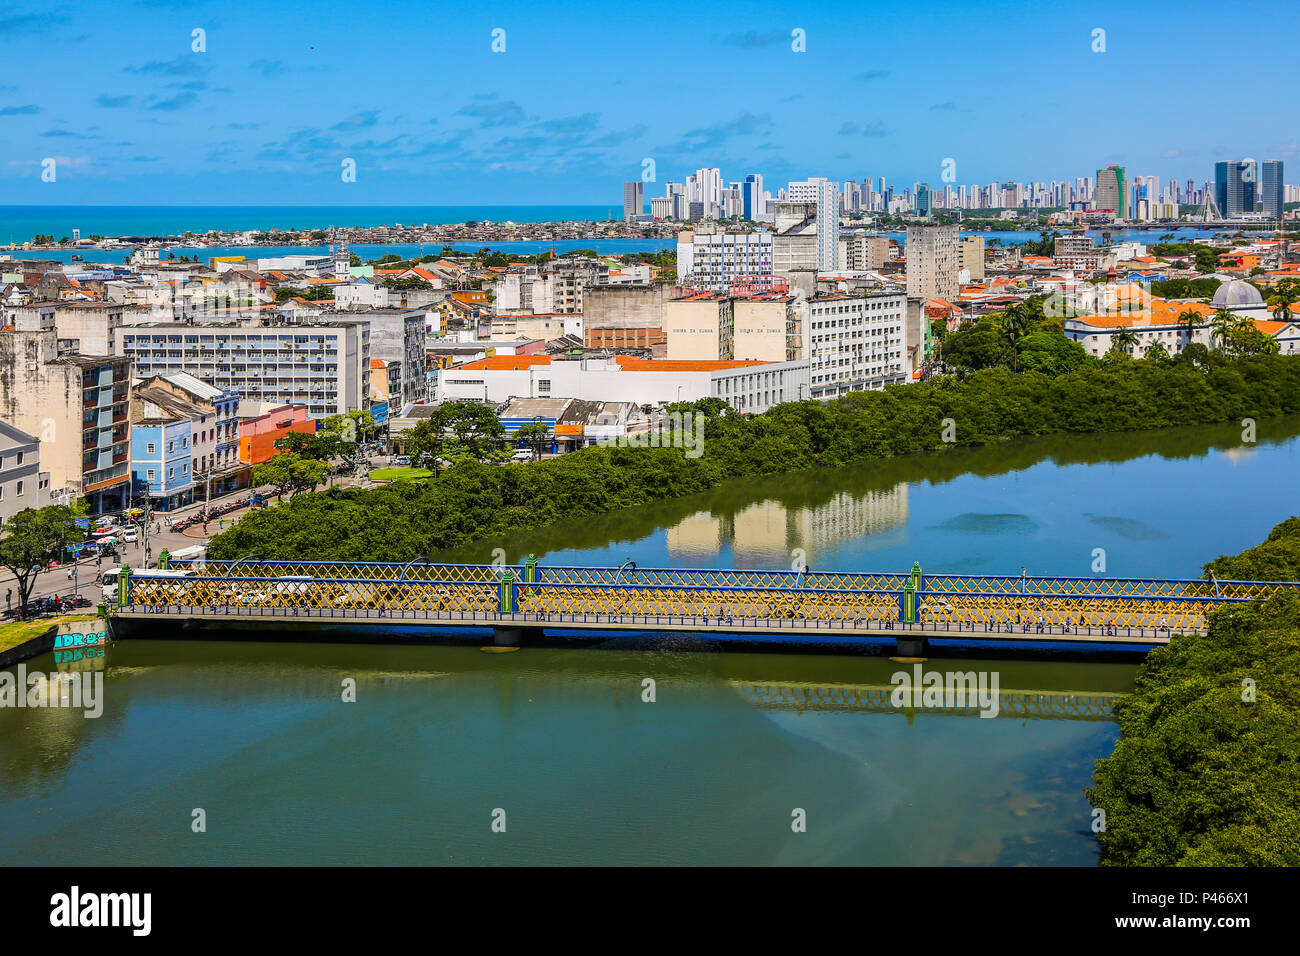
x=754 y=197
x=1271 y=192
x=924 y=201
x=1235 y=184
x=826 y=195
x=1112 y=191
x=633 y=200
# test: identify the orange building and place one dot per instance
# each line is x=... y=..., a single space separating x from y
x=259 y=433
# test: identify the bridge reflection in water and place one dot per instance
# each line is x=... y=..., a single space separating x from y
x=796 y=607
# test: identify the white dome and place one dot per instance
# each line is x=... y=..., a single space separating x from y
x=1236 y=294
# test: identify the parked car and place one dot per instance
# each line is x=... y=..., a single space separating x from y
x=522 y=454
x=130 y=535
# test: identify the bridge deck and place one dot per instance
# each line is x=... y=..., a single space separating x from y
x=797 y=630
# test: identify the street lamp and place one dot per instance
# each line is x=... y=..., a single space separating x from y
x=248 y=557
x=406 y=567
x=628 y=565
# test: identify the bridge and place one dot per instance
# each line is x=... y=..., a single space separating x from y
x=822 y=607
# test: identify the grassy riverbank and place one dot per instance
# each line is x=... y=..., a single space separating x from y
x=473 y=500
x=1207 y=768
x=20 y=632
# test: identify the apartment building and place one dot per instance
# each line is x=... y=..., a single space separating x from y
x=932 y=262
x=713 y=261
x=79 y=406
x=325 y=366
x=1079 y=253
x=161 y=459
x=22 y=483
x=87 y=327
x=863 y=253
x=856 y=343
x=972 y=257
x=399 y=336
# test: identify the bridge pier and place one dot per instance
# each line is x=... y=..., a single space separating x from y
x=911 y=646
x=514 y=636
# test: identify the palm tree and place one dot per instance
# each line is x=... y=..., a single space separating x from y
x=1190 y=318
x=1224 y=322
x=1016 y=321
x=1283 y=296
x=1124 y=339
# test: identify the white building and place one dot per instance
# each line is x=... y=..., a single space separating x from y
x=747 y=386
x=856 y=343
x=826 y=195
x=714 y=260
x=325 y=367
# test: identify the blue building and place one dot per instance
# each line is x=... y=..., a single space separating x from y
x=160 y=461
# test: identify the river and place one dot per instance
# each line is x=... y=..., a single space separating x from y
x=740 y=758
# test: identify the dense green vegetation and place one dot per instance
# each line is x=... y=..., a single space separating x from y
x=1207 y=770
x=472 y=499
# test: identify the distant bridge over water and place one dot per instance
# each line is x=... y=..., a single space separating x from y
x=808 y=607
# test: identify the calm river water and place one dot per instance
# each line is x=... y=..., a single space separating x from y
x=560 y=743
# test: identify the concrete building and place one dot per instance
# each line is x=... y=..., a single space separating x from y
x=262 y=424
x=700 y=328
x=1078 y=253
x=932 y=262
x=20 y=473
x=324 y=366
x=627 y=317
x=79 y=406
x=794 y=241
x=397 y=336
x=713 y=261
x=767 y=328
x=633 y=200
x=1112 y=192
x=825 y=195
x=746 y=386
x=860 y=252
x=972 y=257
x=86 y=327
x=857 y=343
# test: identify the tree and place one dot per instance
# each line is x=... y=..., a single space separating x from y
x=536 y=437
x=1283 y=295
x=1050 y=353
x=1192 y=319
x=33 y=538
x=1156 y=352
x=290 y=472
x=1124 y=340
x=1222 y=323
x=1016 y=322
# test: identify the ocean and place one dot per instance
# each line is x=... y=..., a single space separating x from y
x=19 y=224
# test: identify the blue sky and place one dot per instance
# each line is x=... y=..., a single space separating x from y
x=584 y=92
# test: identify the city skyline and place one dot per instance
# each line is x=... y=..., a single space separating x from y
x=272 y=114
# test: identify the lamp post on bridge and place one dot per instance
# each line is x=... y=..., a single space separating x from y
x=409 y=564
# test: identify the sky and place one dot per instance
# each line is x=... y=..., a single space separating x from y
x=271 y=99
